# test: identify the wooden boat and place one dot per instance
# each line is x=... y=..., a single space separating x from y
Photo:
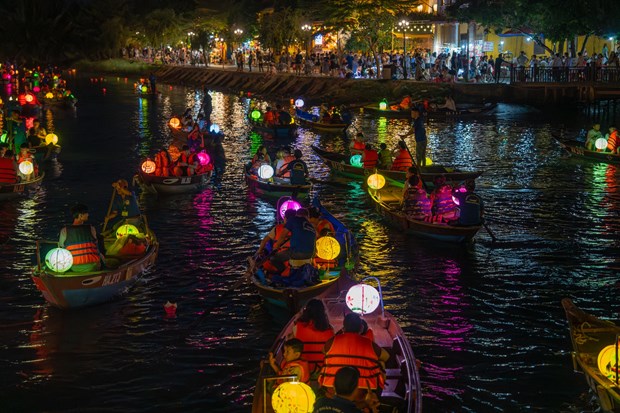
x=578 y=149
x=387 y=201
x=463 y=110
x=172 y=185
x=277 y=131
x=312 y=121
x=274 y=187
x=294 y=298
x=14 y=190
x=591 y=338
x=341 y=165
x=402 y=392
x=44 y=153
x=73 y=290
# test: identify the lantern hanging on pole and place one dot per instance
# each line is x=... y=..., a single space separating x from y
x=265 y=171
x=125 y=230
x=148 y=166
x=363 y=299
x=429 y=161
x=26 y=167
x=356 y=160
x=59 y=259
x=327 y=248
x=376 y=181
x=293 y=397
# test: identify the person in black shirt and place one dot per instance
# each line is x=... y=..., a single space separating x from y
x=346 y=392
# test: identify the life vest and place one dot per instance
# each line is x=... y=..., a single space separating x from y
x=287 y=159
x=132 y=248
x=303 y=366
x=370 y=157
x=81 y=244
x=7 y=171
x=267 y=265
x=162 y=164
x=189 y=160
x=442 y=201
x=405 y=103
x=351 y=349
x=417 y=204
x=403 y=161
x=270 y=118
x=359 y=145
x=613 y=141
x=314 y=340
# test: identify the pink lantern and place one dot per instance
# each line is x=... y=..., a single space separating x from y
x=204 y=158
x=290 y=204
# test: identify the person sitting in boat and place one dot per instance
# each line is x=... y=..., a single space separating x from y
x=405 y=104
x=26 y=156
x=260 y=157
x=283 y=158
x=470 y=205
x=385 y=157
x=370 y=157
x=129 y=246
x=313 y=329
x=284 y=118
x=36 y=134
x=125 y=208
x=402 y=160
x=335 y=116
x=444 y=208
x=347 y=396
x=302 y=236
x=80 y=239
x=613 y=140
x=162 y=163
x=593 y=135
x=357 y=144
x=187 y=164
x=270 y=118
x=269 y=240
x=416 y=204
x=186 y=120
x=8 y=166
x=448 y=106
x=297 y=168
x=292 y=363
x=409 y=173
x=195 y=139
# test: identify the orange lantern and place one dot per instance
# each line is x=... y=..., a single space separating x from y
x=175 y=123
x=148 y=166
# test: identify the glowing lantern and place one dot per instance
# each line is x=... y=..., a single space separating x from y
x=299 y=103
x=608 y=362
x=214 y=128
x=600 y=143
x=51 y=138
x=356 y=160
x=175 y=123
x=363 y=299
x=383 y=104
x=290 y=204
x=29 y=98
x=327 y=248
x=429 y=161
x=376 y=181
x=293 y=397
x=26 y=167
x=203 y=158
x=125 y=230
x=265 y=171
x=36 y=89
x=59 y=259
x=144 y=89
x=49 y=95
x=148 y=166
x=3 y=137
x=255 y=115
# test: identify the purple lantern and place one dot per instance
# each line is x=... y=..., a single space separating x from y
x=290 y=204
x=204 y=158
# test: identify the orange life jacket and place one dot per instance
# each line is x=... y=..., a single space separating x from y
x=7 y=171
x=314 y=340
x=162 y=164
x=370 y=157
x=405 y=103
x=270 y=118
x=351 y=349
x=613 y=141
x=403 y=161
x=287 y=159
x=268 y=266
x=81 y=244
x=303 y=366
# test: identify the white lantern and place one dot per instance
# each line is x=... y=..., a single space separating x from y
x=214 y=128
x=600 y=143
x=265 y=171
x=26 y=167
x=363 y=299
x=59 y=259
x=299 y=103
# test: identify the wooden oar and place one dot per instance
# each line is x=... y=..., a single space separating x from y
x=486 y=226
x=415 y=164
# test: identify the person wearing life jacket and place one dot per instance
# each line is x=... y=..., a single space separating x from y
x=403 y=160
x=370 y=157
x=283 y=158
x=613 y=140
x=125 y=208
x=385 y=157
x=323 y=227
x=416 y=204
x=26 y=155
x=302 y=236
x=348 y=397
x=593 y=135
x=350 y=348
x=292 y=364
x=203 y=169
x=470 y=206
x=8 y=166
x=162 y=163
x=405 y=104
x=284 y=118
x=260 y=157
x=313 y=329
x=443 y=208
x=80 y=239
x=297 y=168
x=187 y=163
x=357 y=144
x=268 y=241
x=270 y=117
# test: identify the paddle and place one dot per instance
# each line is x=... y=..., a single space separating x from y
x=415 y=164
x=486 y=226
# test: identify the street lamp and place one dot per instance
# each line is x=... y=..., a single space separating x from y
x=189 y=39
x=306 y=28
x=404 y=25
x=238 y=32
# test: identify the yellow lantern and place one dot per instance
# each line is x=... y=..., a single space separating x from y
x=26 y=167
x=175 y=123
x=144 y=88
x=376 y=181
x=429 y=161
x=148 y=166
x=51 y=138
x=363 y=299
x=608 y=363
x=59 y=259
x=293 y=397
x=265 y=171
x=49 y=95
x=327 y=248
x=125 y=230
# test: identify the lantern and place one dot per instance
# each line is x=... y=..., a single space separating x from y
x=36 y=89
x=29 y=97
x=49 y=95
x=327 y=248
x=51 y=138
x=293 y=397
x=125 y=230
x=3 y=137
x=363 y=299
x=290 y=204
x=144 y=89
x=255 y=115
x=59 y=259
x=148 y=166
x=383 y=104
x=608 y=363
x=175 y=122
x=600 y=143
x=299 y=103
x=356 y=160
x=214 y=128
x=265 y=171
x=376 y=181
x=26 y=167
x=429 y=161
x=203 y=158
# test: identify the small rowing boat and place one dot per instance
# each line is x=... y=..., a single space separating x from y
x=595 y=354
x=578 y=149
x=16 y=189
x=277 y=131
x=388 y=204
x=273 y=187
x=313 y=121
x=172 y=185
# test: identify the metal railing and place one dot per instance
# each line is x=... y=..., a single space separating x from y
x=564 y=74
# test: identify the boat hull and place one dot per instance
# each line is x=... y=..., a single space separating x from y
x=172 y=185
x=274 y=189
x=11 y=191
x=279 y=131
x=463 y=111
x=578 y=150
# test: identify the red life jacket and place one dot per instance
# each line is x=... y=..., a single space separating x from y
x=403 y=161
x=359 y=145
x=314 y=340
x=303 y=366
x=7 y=171
x=370 y=157
x=82 y=245
x=162 y=164
x=351 y=349
x=270 y=118
x=613 y=141
x=268 y=266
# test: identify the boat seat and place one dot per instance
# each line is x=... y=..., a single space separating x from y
x=299 y=263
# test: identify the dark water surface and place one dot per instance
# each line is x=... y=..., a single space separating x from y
x=485 y=320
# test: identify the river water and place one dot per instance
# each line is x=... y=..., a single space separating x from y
x=485 y=320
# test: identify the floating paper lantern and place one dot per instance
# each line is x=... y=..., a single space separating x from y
x=327 y=248
x=255 y=115
x=608 y=363
x=356 y=160
x=148 y=166
x=126 y=229
x=265 y=171
x=51 y=138
x=175 y=122
x=214 y=128
x=429 y=161
x=144 y=88
x=49 y=95
x=383 y=104
x=59 y=259
x=376 y=181
x=26 y=167
x=299 y=103
x=600 y=143
x=203 y=158
x=290 y=204
x=363 y=299
x=293 y=397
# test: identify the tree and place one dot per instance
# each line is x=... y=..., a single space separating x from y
x=281 y=28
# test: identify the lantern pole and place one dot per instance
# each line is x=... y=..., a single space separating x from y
x=380 y=292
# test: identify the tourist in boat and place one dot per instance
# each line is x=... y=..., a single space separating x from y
x=195 y=139
x=416 y=204
x=409 y=173
x=347 y=393
x=613 y=140
x=162 y=163
x=370 y=157
x=357 y=144
x=297 y=168
x=284 y=118
x=402 y=160
x=283 y=158
x=8 y=166
x=125 y=208
x=444 y=208
x=302 y=236
x=80 y=239
x=323 y=227
x=292 y=363
x=313 y=329
x=385 y=157
x=16 y=131
x=593 y=135
x=26 y=156
x=186 y=120
x=187 y=164
x=270 y=240
x=420 y=136
x=36 y=134
x=470 y=205
x=270 y=117
x=449 y=105
x=260 y=157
